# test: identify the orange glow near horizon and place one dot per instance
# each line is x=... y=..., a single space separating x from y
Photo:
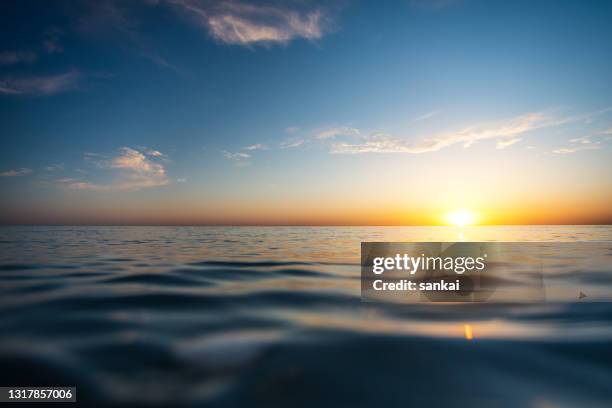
x=468 y=332
x=496 y=206
x=461 y=218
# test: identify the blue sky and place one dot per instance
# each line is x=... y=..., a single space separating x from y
x=232 y=112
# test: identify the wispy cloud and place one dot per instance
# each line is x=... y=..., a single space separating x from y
x=243 y=154
x=55 y=167
x=579 y=144
x=605 y=132
x=40 y=85
x=506 y=133
x=577 y=148
x=426 y=116
x=236 y=156
x=257 y=146
x=233 y=22
x=292 y=143
x=15 y=173
x=131 y=170
x=154 y=153
x=17 y=57
x=333 y=132
x=502 y=144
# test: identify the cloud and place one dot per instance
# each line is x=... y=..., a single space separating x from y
x=504 y=130
x=55 y=167
x=236 y=156
x=15 y=173
x=502 y=144
x=131 y=169
x=40 y=85
x=605 y=132
x=579 y=144
x=570 y=150
x=136 y=161
x=243 y=154
x=237 y=23
x=337 y=131
x=426 y=116
x=17 y=57
x=257 y=146
x=154 y=153
x=292 y=143
x=582 y=140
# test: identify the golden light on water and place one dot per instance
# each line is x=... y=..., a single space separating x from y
x=460 y=218
x=468 y=332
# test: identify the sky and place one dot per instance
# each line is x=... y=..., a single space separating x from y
x=194 y=112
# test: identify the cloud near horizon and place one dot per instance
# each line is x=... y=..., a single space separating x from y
x=133 y=170
x=238 y=23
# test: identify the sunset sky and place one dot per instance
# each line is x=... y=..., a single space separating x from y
x=305 y=113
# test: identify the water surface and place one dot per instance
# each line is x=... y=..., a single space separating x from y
x=220 y=316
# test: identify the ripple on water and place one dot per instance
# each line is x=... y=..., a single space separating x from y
x=273 y=317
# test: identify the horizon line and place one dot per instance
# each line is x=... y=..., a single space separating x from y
x=297 y=225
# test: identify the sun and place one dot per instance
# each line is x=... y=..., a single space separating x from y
x=460 y=218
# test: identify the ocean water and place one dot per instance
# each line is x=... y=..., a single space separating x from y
x=272 y=317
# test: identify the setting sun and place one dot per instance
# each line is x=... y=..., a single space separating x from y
x=460 y=218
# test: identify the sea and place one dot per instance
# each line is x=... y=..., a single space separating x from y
x=273 y=317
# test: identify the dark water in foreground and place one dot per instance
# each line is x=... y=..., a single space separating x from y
x=215 y=317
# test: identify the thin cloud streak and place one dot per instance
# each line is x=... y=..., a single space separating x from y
x=17 y=57
x=291 y=143
x=426 y=116
x=502 y=144
x=16 y=173
x=505 y=132
x=244 y=153
x=337 y=131
x=570 y=150
x=581 y=143
x=237 y=23
x=257 y=146
x=40 y=85
x=55 y=167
